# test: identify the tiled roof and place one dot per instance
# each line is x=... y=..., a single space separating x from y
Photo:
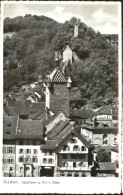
x=49 y=145
x=52 y=118
x=9 y=127
x=25 y=108
x=106 y=166
x=21 y=108
x=57 y=76
x=111 y=128
x=30 y=129
x=115 y=149
x=107 y=110
x=87 y=144
x=34 y=108
x=78 y=113
x=62 y=130
x=56 y=129
x=39 y=116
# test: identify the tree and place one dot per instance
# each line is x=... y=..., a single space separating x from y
x=103 y=155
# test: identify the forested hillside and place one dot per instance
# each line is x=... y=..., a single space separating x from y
x=33 y=42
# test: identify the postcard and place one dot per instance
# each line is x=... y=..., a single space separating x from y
x=61 y=104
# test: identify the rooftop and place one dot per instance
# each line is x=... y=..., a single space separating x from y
x=115 y=149
x=57 y=76
x=30 y=129
x=49 y=145
x=106 y=166
x=78 y=113
x=62 y=130
x=52 y=118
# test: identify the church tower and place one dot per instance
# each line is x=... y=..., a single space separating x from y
x=76 y=30
x=57 y=92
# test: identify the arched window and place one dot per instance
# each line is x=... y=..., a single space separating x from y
x=105 y=139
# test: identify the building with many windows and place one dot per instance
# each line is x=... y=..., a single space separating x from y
x=70 y=151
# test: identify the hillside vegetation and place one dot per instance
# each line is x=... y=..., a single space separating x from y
x=33 y=45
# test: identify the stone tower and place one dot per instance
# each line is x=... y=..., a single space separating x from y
x=57 y=92
x=76 y=30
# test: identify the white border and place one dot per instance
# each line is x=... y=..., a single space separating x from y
x=63 y=185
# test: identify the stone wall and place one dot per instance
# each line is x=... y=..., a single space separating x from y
x=59 y=98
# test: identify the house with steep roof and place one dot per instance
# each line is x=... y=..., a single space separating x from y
x=29 y=136
x=73 y=153
x=21 y=146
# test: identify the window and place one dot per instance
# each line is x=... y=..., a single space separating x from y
x=10 y=160
x=69 y=174
x=76 y=148
x=8 y=132
x=9 y=125
x=115 y=140
x=50 y=161
x=74 y=164
x=64 y=164
x=73 y=140
x=76 y=174
x=44 y=160
x=105 y=139
x=83 y=148
x=35 y=151
x=4 y=161
x=21 y=151
x=66 y=148
x=10 y=150
x=64 y=156
x=83 y=174
x=34 y=159
x=21 y=169
x=27 y=160
x=21 y=159
x=62 y=174
x=11 y=168
x=28 y=151
x=4 y=150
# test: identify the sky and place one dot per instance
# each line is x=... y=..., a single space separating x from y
x=102 y=17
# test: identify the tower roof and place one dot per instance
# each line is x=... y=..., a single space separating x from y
x=57 y=76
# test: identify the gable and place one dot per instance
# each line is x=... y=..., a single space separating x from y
x=72 y=144
x=58 y=77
